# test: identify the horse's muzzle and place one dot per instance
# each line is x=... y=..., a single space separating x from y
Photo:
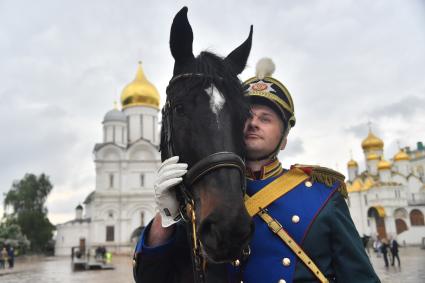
x=225 y=242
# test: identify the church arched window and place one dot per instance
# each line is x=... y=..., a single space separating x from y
x=142 y=180
x=416 y=218
x=111 y=180
x=142 y=219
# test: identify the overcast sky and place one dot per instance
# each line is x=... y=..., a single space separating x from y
x=63 y=63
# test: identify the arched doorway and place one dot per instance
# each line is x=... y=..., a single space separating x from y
x=135 y=235
x=400 y=226
x=377 y=213
x=416 y=218
x=400 y=216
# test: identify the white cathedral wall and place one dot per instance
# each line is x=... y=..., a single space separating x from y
x=148 y=128
x=88 y=210
x=142 y=123
x=126 y=217
x=109 y=134
x=356 y=209
x=390 y=223
x=386 y=196
x=399 y=179
x=126 y=198
x=352 y=173
x=403 y=167
x=418 y=167
x=414 y=184
x=69 y=235
x=413 y=236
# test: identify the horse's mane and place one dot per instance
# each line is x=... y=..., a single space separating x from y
x=215 y=70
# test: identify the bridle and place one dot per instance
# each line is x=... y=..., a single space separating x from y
x=212 y=162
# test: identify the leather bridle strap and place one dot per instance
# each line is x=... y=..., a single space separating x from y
x=213 y=162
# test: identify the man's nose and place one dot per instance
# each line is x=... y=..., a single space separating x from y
x=252 y=123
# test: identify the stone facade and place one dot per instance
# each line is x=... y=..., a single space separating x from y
x=126 y=163
x=387 y=199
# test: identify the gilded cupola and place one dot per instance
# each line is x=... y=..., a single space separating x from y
x=352 y=163
x=401 y=155
x=373 y=156
x=140 y=92
x=384 y=165
x=372 y=142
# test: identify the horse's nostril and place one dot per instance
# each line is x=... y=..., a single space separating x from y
x=209 y=235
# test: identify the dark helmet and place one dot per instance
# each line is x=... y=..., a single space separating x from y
x=264 y=89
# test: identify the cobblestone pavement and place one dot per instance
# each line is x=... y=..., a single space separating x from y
x=412 y=269
x=58 y=270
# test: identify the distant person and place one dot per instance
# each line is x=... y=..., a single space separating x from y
x=377 y=247
x=1 y=261
x=394 y=251
x=384 y=250
x=11 y=255
x=3 y=258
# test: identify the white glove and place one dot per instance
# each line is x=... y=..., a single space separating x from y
x=169 y=175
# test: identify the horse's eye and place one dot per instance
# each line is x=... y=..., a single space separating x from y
x=179 y=109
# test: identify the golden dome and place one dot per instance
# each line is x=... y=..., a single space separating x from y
x=372 y=156
x=383 y=165
x=140 y=92
x=372 y=142
x=356 y=186
x=368 y=183
x=352 y=163
x=401 y=155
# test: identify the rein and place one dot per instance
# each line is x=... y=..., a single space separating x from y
x=212 y=162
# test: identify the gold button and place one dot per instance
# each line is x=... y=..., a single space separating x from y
x=134 y=262
x=295 y=219
x=281 y=281
x=286 y=261
x=236 y=263
x=308 y=184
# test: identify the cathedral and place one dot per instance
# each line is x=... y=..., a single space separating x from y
x=126 y=163
x=387 y=199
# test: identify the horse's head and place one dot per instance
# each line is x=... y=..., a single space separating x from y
x=205 y=114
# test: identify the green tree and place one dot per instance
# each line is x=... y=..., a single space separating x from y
x=27 y=199
x=11 y=234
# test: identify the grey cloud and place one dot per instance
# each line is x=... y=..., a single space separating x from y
x=361 y=130
x=294 y=148
x=406 y=108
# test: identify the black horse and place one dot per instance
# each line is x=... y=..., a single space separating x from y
x=203 y=121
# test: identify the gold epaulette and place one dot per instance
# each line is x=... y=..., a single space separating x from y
x=325 y=176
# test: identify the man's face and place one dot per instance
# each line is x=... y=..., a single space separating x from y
x=262 y=131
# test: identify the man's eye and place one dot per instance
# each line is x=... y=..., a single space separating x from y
x=264 y=119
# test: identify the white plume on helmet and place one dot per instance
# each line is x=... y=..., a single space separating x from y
x=264 y=68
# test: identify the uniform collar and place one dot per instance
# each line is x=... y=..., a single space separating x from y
x=271 y=169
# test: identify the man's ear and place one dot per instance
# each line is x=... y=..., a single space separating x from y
x=283 y=144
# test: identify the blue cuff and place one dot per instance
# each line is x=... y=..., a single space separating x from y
x=141 y=246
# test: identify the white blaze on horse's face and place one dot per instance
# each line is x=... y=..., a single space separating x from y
x=217 y=100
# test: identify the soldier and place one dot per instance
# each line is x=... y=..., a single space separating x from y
x=304 y=233
x=394 y=251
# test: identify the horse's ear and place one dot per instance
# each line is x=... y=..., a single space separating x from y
x=181 y=40
x=238 y=57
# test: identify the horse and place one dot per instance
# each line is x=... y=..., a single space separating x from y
x=202 y=122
